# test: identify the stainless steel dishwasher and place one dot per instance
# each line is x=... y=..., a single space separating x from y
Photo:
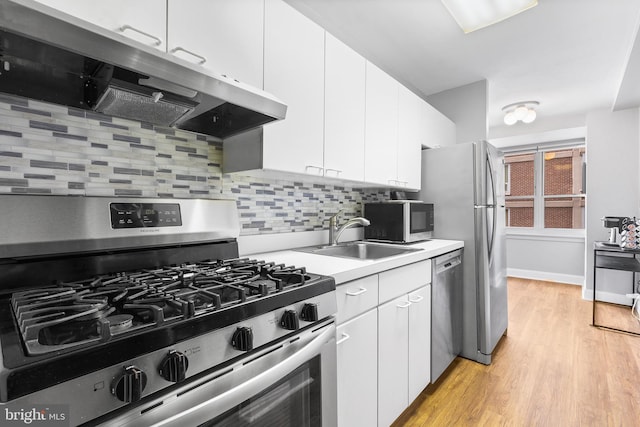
x=446 y=311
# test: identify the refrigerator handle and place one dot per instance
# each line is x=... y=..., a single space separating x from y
x=491 y=241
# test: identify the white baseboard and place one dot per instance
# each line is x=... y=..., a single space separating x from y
x=587 y=294
x=607 y=297
x=546 y=276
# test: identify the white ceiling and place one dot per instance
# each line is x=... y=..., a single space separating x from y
x=569 y=55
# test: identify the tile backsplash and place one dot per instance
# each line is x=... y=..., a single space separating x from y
x=50 y=149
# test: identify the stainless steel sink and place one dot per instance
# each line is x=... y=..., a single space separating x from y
x=358 y=250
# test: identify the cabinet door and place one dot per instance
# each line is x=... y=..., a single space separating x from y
x=419 y=341
x=381 y=127
x=410 y=137
x=438 y=129
x=294 y=73
x=229 y=34
x=144 y=21
x=393 y=349
x=344 y=111
x=357 y=370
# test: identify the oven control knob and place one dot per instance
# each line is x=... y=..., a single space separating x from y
x=174 y=366
x=242 y=339
x=128 y=386
x=289 y=320
x=309 y=312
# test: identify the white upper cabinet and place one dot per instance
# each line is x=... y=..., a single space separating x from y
x=439 y=130
x=381 y=127
x=411 y=135
x=344 y=111
x=144 y=21
x=395 y=131
x=223 y=36
x=294 y=72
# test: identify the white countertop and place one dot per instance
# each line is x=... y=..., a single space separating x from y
x=347 y=269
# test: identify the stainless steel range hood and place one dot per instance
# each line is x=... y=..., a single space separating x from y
x=51 y=56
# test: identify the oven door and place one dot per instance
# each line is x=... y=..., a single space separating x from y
x=292 y=383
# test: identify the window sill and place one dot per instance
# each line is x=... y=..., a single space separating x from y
x=555 y=234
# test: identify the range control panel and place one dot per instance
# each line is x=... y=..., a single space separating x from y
x=140 y=215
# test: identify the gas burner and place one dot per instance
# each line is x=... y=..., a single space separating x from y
x=98 y=308
x=120 y=322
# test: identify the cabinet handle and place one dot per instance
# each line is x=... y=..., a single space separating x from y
x=343 y=339
x=405 y=305
x=417 y=299
x=157 y=40
x=337 y=171
x=355 y=294
x=201 y=58
x=318 y=168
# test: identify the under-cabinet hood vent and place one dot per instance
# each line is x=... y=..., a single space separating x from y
x=116 y=101
x=50 y=56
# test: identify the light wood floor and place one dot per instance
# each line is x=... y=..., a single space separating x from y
x=552 y=369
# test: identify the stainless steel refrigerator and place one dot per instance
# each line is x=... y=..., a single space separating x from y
x=465 y=182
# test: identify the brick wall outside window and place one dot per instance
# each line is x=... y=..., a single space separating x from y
x=558 y=176
x=522 y=178
x=562 y=177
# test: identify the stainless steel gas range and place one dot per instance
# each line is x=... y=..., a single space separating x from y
x=139 y=312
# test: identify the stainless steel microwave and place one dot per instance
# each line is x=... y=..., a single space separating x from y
x=399 y=221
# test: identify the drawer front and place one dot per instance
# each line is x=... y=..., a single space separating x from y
x=356 y=297
x=402 y=280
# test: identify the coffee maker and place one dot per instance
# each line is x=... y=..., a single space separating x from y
x=615 y=224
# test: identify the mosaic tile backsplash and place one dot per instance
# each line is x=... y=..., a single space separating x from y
x=50 y=149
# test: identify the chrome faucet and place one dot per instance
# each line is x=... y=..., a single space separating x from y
x=335 y=232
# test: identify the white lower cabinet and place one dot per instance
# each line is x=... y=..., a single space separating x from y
x=384 y=344
x=393 y=353
x=357 y=370
x=419 y=341
x=404 y=348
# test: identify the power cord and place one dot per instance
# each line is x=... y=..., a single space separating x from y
x=635 y=308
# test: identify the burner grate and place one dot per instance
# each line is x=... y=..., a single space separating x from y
x=100 y=308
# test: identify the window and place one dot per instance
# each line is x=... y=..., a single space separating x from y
x=563 y=189
x=545 y=189
x=520 y=198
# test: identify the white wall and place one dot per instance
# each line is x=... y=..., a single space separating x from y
x=558 y=259
x=613 y=183
x=466 y=106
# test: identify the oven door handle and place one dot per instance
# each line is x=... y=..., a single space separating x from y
x=235 y=396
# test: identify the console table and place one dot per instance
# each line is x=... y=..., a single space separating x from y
x=605 y=258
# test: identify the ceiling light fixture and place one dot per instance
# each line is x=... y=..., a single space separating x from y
x=472 y=15
x=522 y=111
